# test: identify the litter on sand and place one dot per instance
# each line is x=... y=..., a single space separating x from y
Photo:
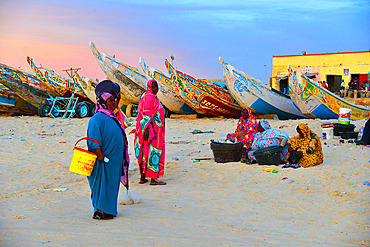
x=201 y=132
x=60 y=189
x=128 y=198
x=294 y=166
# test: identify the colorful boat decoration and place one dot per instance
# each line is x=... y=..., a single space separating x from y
x=87 y=85
x=25 y=77
x=28 y=93
x=59 y=84
x=131 y=81
x=254 y=94
x=43 y=75
x=166 y=94
x=318 y=102
x=205 y=98
x=7 y=97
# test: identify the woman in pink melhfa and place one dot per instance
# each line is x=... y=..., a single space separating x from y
x=150 y=136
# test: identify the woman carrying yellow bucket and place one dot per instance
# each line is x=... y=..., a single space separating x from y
x=104 y=181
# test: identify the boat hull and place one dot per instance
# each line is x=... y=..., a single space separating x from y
x=249 y=92
x=317 y=102
x=131 y=82
x=202 y=96
x=24 y=91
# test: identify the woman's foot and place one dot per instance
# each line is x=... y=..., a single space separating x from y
x=100 y=215
x=156 y=182
x=143 y=181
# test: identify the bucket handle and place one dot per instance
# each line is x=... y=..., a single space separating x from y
x=88 y=138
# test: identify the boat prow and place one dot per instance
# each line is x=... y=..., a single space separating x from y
x=252 y=93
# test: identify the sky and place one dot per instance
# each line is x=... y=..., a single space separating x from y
x=245 y=33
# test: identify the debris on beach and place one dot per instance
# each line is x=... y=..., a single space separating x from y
x=60 y=189
x=128 y=198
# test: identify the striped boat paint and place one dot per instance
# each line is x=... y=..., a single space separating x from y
x=25 y=77
x=317 y=102
x=205 y=98
x=87 y=85
x=28 y=93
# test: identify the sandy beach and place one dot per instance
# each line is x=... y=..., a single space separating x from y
x=204 y=203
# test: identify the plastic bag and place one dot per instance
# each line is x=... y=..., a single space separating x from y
x=128 y=198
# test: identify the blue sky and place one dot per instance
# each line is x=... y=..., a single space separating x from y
x=245 y=33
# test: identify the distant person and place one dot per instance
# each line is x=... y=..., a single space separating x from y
x=307 y=145
x=324 y=85
x=342 y=89
x=245 y=130
x=267 y=137
x=365 y=85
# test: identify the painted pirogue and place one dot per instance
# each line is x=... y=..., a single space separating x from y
x=205 y=98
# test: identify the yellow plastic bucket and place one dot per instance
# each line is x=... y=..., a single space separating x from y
x=83 y=161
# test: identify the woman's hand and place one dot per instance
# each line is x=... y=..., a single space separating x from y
x=100 y=155
x=146 y=134
x=240 y=133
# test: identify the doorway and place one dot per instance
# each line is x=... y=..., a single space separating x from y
x=284 y=86
x=334 y=82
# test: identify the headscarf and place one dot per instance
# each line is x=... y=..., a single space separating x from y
x=101 y=106
x=265 y=124
x=268 y=134
x=250 y=116
x=299 y=142
x=150 y=103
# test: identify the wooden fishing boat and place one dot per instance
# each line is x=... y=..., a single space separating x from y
x=317 y=102
x=203 y=97
x=87 y=85
x=166 y=94
x=25 y=77
x=254 y=94
x=45 y=78
x=131 y=81
x=61 y=85
x=28 y=93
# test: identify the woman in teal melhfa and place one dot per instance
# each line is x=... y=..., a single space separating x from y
x=106 y=176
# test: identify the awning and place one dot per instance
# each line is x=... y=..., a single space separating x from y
x=281 y=77
x=311 y=76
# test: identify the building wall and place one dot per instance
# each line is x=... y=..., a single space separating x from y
x=322 y=65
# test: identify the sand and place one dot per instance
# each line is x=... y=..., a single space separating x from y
x=204 y=204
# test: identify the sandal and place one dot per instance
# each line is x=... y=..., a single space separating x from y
x=100 y=215
x=143 y=182
x=157 y=183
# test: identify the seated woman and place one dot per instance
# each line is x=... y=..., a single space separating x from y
x=245 y=130
x=267 y=137
x=308 y=145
